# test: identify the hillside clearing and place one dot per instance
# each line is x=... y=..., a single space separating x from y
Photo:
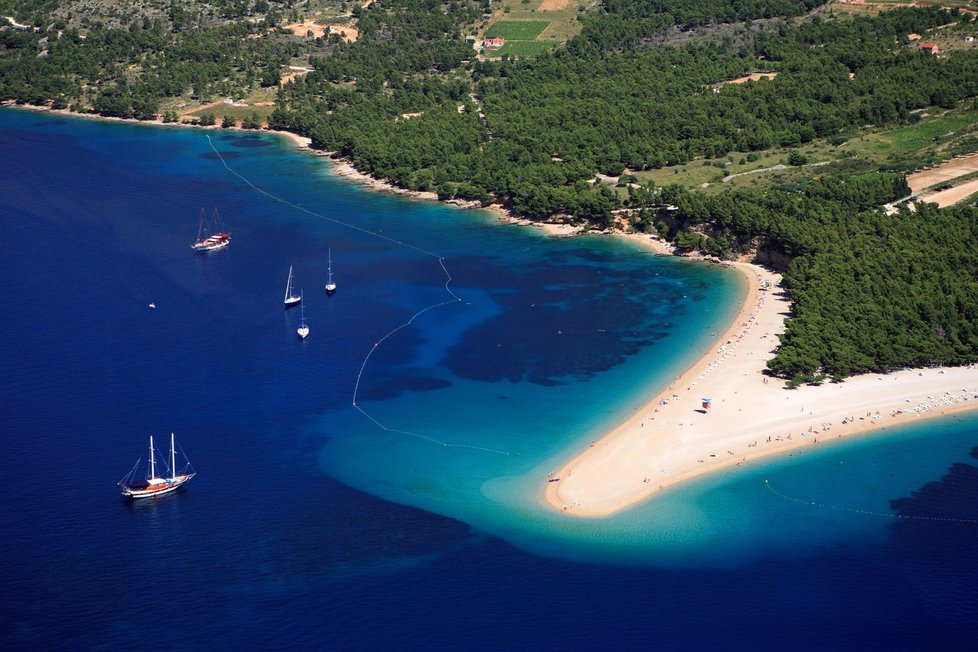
x=943 y=173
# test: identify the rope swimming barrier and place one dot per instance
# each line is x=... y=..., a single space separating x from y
x=866 y=512
x=314 y=213
x=447 y=285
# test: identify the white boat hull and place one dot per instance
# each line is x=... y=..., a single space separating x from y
x=330 y=285
x=212 y=243
x=206 y=248
x=171 y=484
x=292 y=301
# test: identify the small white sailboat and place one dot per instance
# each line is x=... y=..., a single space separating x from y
x=290 y=297
x=303 y=329
x=330 y=285
x=155 y=485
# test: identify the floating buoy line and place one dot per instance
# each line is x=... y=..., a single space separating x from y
x=867 y=512
x=447 y=285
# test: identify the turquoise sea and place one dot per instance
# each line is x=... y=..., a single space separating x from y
x=380 y=484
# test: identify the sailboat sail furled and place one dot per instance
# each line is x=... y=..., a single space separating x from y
x=156 y=484
x=207 y=241
x=291 y=298
x=330 y=285
x=303 y=330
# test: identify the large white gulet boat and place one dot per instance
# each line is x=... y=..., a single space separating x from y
x=154 y=485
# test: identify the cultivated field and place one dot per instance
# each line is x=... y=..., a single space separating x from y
x=921 y=135
x=943 y=173
x=958 y=172
x=954 y=195
x=535 y=26
x=524 y=48
x=517 y=30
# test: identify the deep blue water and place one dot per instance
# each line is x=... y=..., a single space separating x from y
x=414 y=524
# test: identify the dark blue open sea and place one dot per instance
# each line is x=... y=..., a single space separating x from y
x=479 y=356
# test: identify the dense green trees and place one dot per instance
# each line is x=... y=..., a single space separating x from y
x=871 y=292
x=553 y=121
x=885 y=292
x=127 y=72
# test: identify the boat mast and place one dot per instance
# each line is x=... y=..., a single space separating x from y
x=202 y=229
x=288 y=284
x=152 y=460
x=173 y=459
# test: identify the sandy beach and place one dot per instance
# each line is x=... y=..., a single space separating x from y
x=673 y=438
